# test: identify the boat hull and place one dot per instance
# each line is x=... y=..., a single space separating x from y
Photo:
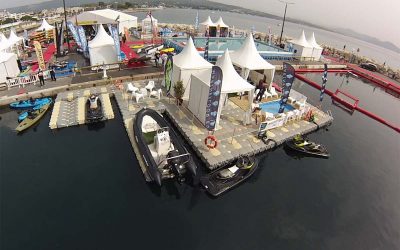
x=290 y=144
x=94 y=115
x=28 y=122
x=28 y=104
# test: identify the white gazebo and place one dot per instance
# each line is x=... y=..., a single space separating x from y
x=232 y=82
x=302 y=48
x=106 y=16
x=5 y=44
x=222 y=28
x=210 y=26
x=248 y=58
x=45 y=26
x=147 y=29
x=13 y=38
x=317 y=49
x=186 y=63
x=8 y=66
x=102 y=48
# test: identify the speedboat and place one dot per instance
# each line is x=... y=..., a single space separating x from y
x=220 y=181
x=32 y=118
x=25 y=114
x=30 y=103
x=305 y=146
x=161 y=150
x=94 y=109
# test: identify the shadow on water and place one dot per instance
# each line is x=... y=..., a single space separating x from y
x=96 y=126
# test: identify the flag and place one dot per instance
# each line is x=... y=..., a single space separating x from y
x=74 y=33
x=196 y=21
x=213 y=100
x=168 y=73
x=126 y=31
x=61 y=37
x=39 y=55
x=115 y=36
x=83 y=41
x=206 y=48
x=324 y=80
x=269 y=36
x=287 y=81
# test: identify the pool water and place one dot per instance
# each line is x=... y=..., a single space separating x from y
x=273 y=107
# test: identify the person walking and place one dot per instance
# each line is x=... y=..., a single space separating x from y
x=262 y=86
x=41 y=77
x=52 y=74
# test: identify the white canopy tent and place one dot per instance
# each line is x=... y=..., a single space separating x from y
x=232 y=82
x=209 y=25
x=186 y=63
x=13 y=38
x=317 y=49
x=102 y=48
x=8 y=66
x=147 y=29
x=301 y=47
x=222 y=28
x=45 y=26
x=5 y=44
x=106 y=16
x=248 y=58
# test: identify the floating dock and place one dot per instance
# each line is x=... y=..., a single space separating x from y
x=234 y=138
x=69 y=107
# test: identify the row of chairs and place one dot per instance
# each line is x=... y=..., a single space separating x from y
x=142 y=93
x=268 y=94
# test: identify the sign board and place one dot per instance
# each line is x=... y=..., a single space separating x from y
x=39 y=55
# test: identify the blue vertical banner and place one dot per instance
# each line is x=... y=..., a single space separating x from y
x=206 y=48
x=115 y=36
x=74 y=33
x=287 y=82
x=168 y=73
x=214 y=96
x=82 y=39
x=196 y=21
x=324 y=80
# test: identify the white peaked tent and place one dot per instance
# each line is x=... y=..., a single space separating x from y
x=102 y=48
x=232 y=82
x=248 y=58
x=317 y=50
x=146 y=24
x=223 y=28
x=8 y=66
x=45 y=26
x=302 y=47
x=186 y=63
x=210 y=25
x=4 y=42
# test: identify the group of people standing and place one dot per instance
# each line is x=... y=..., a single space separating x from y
x=40 y=75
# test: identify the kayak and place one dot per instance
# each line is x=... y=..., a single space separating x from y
x=23 y=115
x=33 y=117
x=305 y=146
x=29 y=104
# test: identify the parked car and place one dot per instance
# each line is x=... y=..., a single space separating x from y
x=369 y=66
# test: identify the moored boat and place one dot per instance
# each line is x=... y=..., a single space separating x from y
x=162 y=152
x=23 y=115
x=222 y=180
x=30 y=103
x=94 y=109
x=33 y=117
x=302 y=145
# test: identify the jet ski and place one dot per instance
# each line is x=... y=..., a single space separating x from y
x=161 y=150
x=220 y=181
x=30 y=103
x=94 y=109
x=305 y=146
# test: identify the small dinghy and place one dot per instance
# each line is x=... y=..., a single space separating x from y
x=24 y=115
x=30 y=103
x=162 y=151
x=94 y=109
x=33 y=117
x=220 y=181
x=302 y=145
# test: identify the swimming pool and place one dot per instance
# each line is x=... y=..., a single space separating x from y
x=217 y=46
x=273 y=107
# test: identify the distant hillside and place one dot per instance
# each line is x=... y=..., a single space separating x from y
x=204 y=4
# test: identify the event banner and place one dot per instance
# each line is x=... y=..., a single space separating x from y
x=324 y=80
x=55 y=37
x=196 y=22
x=61 y=37
x=126 y=32
x=214 y=96
x=206 y=48
x=74 y=33
x=115 y=36
x=287 y=82
x=168 y=73
x=82 y=39
x=39 y=55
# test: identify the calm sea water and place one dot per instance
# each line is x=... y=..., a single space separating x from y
x=242 y=21
x=81 y=188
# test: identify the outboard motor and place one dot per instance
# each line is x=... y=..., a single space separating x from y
x=176 y=164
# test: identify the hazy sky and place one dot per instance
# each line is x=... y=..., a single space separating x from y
x=380 y=18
